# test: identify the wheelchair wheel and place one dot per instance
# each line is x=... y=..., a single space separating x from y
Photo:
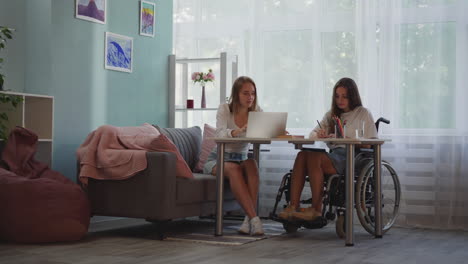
x=365 y=192
x=290 y=228
x=340 y=226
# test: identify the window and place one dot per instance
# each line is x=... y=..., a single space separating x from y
x=427 y=85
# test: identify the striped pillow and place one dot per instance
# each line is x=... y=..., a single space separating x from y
x=207 y=146
x=187 y=141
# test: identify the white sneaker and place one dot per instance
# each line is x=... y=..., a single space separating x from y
x=245 y=227
x=256 y=227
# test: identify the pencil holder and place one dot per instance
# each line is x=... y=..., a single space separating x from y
x=338 y=132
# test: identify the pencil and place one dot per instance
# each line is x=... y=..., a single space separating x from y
x=319 y=124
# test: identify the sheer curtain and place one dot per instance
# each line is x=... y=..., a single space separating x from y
x=408 y=58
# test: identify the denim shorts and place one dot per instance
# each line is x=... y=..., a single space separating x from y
x=228 y=156
x=338 y=158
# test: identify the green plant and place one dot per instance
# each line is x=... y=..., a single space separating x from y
x=6 y=99
x=5 y=34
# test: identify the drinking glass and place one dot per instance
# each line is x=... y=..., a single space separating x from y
x=360 y=130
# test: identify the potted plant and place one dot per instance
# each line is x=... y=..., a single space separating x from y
x=5 y=34
x=5 y=99
x=203 y=78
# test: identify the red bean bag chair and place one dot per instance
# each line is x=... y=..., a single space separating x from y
x=37 y=204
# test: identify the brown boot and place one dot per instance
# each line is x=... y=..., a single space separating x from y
x=287 y=213
x=306 y=214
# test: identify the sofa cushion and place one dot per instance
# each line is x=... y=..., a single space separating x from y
x=164 y=144
x=187 y=141
x=207 y=146
x=200 y=189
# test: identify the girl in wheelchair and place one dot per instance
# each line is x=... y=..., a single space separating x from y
x=346 y=105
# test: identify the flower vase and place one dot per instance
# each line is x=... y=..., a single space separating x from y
x=203 y=99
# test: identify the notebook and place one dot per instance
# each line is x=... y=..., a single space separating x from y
x=266 y=124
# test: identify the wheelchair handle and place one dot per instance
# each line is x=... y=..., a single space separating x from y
x=386 y=121
x=381 y=119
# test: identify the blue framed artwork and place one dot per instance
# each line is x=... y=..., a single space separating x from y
x=91 y=10
x=119 y=52
x=147 y=20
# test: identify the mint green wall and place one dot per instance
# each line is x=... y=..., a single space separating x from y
x=56 y=54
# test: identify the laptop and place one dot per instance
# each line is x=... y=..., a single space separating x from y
x=266 y=124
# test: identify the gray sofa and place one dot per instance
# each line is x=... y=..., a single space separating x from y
x=156 y=194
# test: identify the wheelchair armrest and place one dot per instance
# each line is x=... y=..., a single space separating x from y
x=261 y=150
x=366 y=150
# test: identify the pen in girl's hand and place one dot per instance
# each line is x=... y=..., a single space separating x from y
x=319 y=124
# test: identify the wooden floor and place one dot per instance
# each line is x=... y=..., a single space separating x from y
x=127 y=241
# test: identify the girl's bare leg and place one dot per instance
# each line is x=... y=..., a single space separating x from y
x=234 y=173
x=252 y=178
x=318 y=164
x=298 y=177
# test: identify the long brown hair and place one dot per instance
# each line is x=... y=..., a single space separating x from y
x=352 y=93
x=234 y=101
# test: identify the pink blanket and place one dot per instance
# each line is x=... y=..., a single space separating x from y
x=114 y=153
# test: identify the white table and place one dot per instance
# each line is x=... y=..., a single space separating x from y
x=349 y=180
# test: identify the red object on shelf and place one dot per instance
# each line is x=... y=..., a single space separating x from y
x=189 y=103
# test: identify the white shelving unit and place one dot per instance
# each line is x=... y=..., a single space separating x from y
x=35 y=113
x=179 y=83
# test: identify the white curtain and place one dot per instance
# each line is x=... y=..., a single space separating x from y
x=408 y=57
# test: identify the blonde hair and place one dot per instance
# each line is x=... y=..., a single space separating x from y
x=234 y=100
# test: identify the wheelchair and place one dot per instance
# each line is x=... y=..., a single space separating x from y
x=334 y=196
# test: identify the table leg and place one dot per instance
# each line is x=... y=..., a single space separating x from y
x=349 y=194
x=378 y=191
x=256 y=156
x=256 y=153
x=219 y=189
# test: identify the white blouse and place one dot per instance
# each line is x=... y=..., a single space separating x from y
x=225 y=124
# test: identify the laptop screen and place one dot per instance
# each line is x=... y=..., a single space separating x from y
x=266 y=124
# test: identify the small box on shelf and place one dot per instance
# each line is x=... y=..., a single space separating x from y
x=189 y=103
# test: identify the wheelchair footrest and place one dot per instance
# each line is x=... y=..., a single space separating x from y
x=319 y=222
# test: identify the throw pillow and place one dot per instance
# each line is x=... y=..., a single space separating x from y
x=187 y=140
x=207 y=146
x=163 y=144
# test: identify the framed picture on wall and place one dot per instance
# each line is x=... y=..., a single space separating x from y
x=118 y=52
x=91 y=10
x=147 y=13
